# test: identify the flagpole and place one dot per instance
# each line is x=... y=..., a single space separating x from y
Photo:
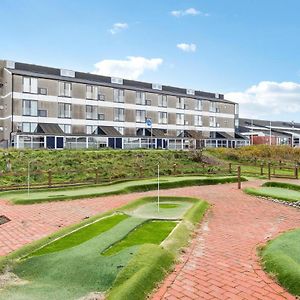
x=158 y=187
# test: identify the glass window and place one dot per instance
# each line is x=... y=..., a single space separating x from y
x=180 y=103
x=212 y=121
x=180 y=119
x=118 y=95
x=212 y=106
x=162 y=118
x=198 y=105
x=119 y=114
x=198 y=120
x=30 y=108
x=162 y=101
x=30 y=85
x=91 y=129
x=65 y=89
x=29 y=127
x=92 y=92
x=66 y=128
x=140 y=98
x=140 y=116
x=120 y=129
x=64 y=110
x=91 y=112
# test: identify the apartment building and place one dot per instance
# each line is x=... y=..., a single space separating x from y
x=43 y=107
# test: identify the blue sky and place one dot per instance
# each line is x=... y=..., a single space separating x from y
x=247 y=49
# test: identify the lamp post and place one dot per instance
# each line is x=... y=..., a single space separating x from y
x=158 y=187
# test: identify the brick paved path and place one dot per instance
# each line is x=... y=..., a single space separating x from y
x=221 y=262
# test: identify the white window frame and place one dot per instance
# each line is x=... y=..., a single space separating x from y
x=66 y=128
x=162 y=101
x=162 y=117
x=91 y=112
x=198 y=120
x=180 y=103
x=119 y=95
x=32 y=127
x=32 y=109
x=140 y=116
x=212 y=121
x=119 y=114
x=64 y=110
x=199 y=105
x=65 y=89
x=30 y=85
x=140 y=98
x=179 y=119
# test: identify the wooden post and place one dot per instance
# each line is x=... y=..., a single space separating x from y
x=239 y=177
x=296 y=172
x=174 y=169
x=97 y=176
x=280 y=164
x=269 y=170
x=230 y=168
x=261 y=169
x=49 y=178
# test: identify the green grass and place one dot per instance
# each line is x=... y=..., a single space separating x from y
x=275 y=193
x=81 y=235
x=152 y=232
x=49 y=195
x=289 y=186
x=168 y=205
x=281 y=258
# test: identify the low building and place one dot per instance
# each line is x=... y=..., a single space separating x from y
x=270 y=132
x=43 y=107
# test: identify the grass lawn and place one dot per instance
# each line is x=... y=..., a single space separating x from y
x=71 y=266
x=275 y=193
x=48 y=195
x=281 y=258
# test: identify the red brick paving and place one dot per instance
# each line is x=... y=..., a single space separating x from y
x=221 y=262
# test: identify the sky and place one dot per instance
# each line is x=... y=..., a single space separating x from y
x=248 y=50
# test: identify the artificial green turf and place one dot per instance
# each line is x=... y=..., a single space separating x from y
x=152 y=232
x=48 y=195
x=168 y=205
x=281 y=257
x=275 y=193
x=74 y=272
x=81 y=235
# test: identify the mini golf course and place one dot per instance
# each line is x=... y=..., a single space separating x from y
x=277 y=190
x=281 y=258
x=122 y=254
x=67 y=193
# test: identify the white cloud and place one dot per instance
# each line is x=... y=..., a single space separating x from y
x=268 y=99
x=117 y=27
x=188 y=12
x=187 y=47
x=131 y=68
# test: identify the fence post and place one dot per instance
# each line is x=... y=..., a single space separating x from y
x=261 y=169
x=97 y=176
x=230 y=168
x=269 y=170
x=49 y=178
x=296 y=172
x=280 y=164
x=239 y=177
x=174 y=168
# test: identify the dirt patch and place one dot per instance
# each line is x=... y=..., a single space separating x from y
x=8 y=278
x=94 y=296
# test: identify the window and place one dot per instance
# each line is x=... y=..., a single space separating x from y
x=65 y=89
x=162 y=101
x=91 y=112
x=91 y=129
x=162 y=118
x=212 y=106
x=236 y=109
x=140 y=116
x=236 y=122
x=198 y=105
x=212 y=121
x=140 y=98
x=64 y=110
x=198 y=120
x=42 y=113
x=30 y=108
x=66 y=128
x=92 y=92
x=120 y=129
x=30 y=85
x=43 y=91
x=180 y=119
x=119 y=95
x=180 y=133
x=180 y=103
x=119 y=114
x=29 y=127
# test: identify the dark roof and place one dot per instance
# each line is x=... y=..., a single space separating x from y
x=156 y=132
x=224 y=135
x=88 y=78
x=266 y=123
x=197 y=135
x=108 y=131
x=49 y=128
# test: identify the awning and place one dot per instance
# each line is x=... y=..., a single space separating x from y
x=156 y=132
x=109 y=131
x=224 y=135
x=49 y=128
x=194 y=134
